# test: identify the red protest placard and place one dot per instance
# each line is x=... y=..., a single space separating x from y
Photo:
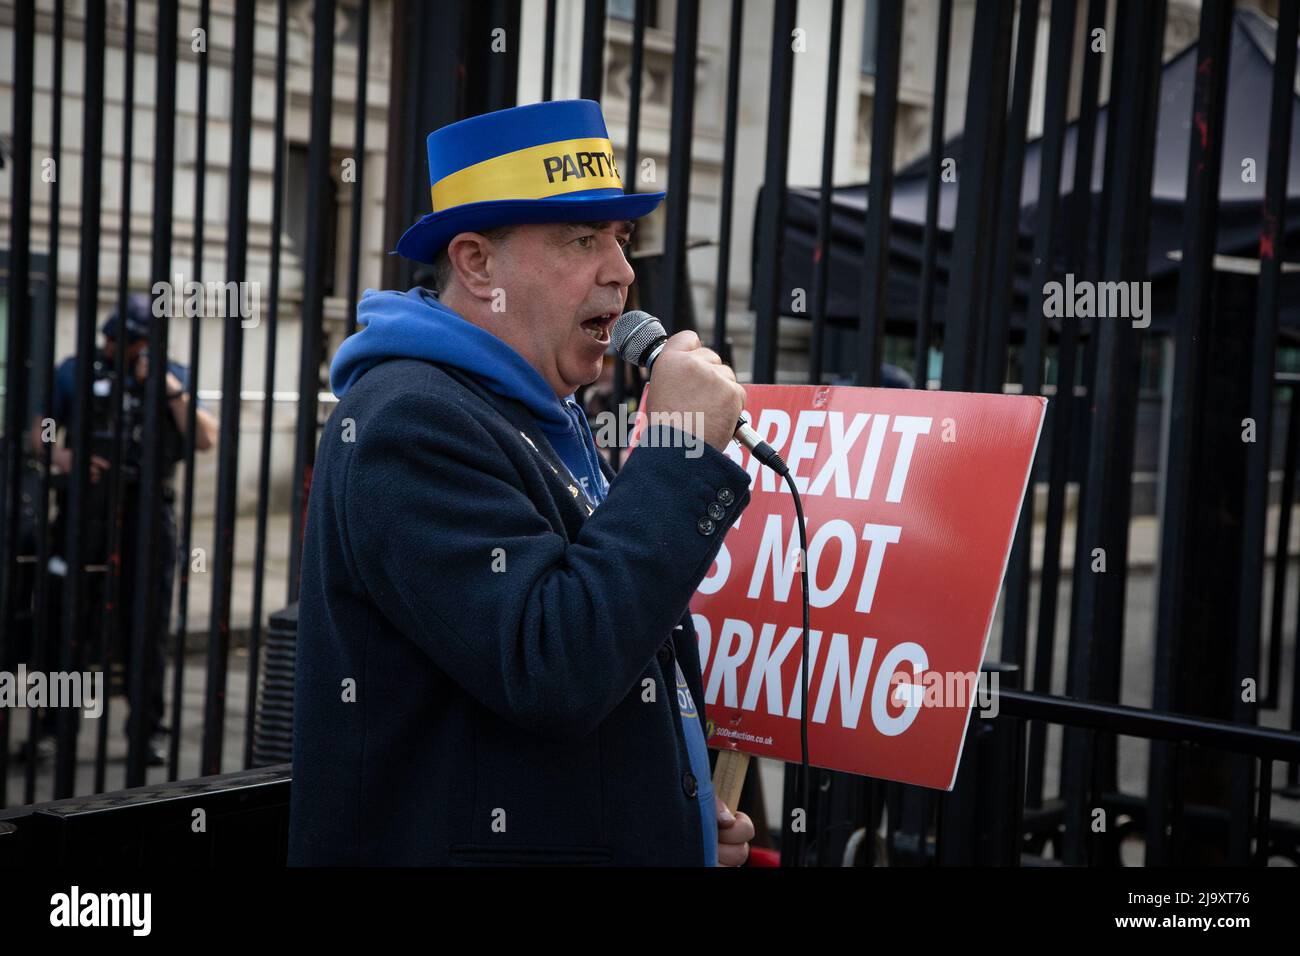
x=911 y=499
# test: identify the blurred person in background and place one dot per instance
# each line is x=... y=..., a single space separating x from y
x=133 y=329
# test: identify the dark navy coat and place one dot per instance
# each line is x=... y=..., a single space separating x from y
x=475 y=648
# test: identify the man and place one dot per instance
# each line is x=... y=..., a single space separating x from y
x=496 y=664
x=133 y=328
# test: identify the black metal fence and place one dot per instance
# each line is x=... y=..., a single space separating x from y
x=1210 y=778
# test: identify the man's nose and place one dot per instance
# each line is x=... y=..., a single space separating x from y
x=617 y=268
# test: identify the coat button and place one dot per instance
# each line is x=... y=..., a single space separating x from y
x=665 y=655
x=705 y=526
x=726 y=496
x=689 y=785
x=717 y=512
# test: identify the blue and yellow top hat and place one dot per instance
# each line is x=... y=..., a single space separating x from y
x=546 y=162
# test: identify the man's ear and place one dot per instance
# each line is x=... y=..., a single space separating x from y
x=473 y=261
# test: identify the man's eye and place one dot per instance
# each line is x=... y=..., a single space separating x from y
x=584 y=240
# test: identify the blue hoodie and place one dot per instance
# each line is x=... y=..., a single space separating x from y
x=415 y=324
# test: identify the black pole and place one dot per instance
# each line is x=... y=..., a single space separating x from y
x=592 y=77
x=930 y=237
x=359 y=155
x=723 y=282
x=677 y=309
x=1132 y=114
x=403 y=152
x=42 y=627
x=977 y=192
x=822 y=250
x=153 y=468
x=880 y=191
x=18 y=363
x=232 y=360
x=1072 y=768
x=771 y=212
x=111 y=622
x=1015 y=618
x=630 y=176
x=74 y=609
x=313 y=298
x=548 y=56
x=1063 y=409
x=1006 y=240
x=1254 y=509
x=268 y=378
x=1187 y=671
x=502 y=68
x=1282 y=538
x=187 y=519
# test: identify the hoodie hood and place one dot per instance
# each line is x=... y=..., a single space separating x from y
x=415 y=324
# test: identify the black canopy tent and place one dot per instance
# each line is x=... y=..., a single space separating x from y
x=1247 y=119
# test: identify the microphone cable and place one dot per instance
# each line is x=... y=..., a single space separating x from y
x=800 y=845
x=637 y=338
x=768 y=456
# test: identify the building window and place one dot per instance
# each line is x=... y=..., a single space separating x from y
x=869 y=37
x=626 y=10
x=295 y=212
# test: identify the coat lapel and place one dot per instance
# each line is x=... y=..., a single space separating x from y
x=565 y=489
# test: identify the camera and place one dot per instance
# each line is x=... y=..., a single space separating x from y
x=124 y=448
x=103 y=423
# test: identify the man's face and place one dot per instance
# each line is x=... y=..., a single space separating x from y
x=133 y=350
x=563 y=285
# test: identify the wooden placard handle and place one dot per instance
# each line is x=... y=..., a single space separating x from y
x=729 y=776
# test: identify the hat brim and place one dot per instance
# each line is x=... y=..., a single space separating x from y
x=424 y=240
x=109 y=331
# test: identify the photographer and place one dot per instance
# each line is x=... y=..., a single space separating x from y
x=104 y=438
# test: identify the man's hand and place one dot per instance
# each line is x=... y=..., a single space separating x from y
x=734 y=833
x=178 y=398
x=61 y=458
x=98 y=465
x=689 y=380
x=171 y=386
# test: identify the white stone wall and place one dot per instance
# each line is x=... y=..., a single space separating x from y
x=70 y=171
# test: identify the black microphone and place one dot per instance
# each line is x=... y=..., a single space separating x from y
x=639 y=337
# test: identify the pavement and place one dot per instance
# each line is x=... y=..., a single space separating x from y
x=194 y=677
x=275 y=580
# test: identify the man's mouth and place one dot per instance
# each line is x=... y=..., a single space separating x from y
x=598 y=326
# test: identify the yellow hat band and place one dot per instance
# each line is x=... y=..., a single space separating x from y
x=538 y=172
